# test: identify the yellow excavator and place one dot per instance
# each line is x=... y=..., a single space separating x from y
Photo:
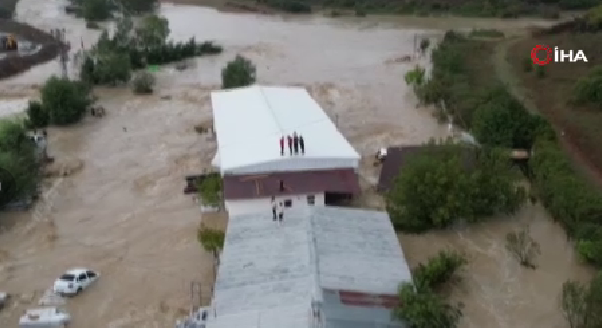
x=8 y=42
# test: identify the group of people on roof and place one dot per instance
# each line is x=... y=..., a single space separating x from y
x=295 y=143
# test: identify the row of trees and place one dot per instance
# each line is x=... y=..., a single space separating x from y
x=99 y=10
x=473 y=8
x=497 y=120
x=134 y=47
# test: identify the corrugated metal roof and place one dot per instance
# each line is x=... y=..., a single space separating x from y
x=301 y=182
x=250 y=121
x=270 y=273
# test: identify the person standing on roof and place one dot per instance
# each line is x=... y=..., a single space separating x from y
x=280 y=212
x=290 y=144
x=296 y=142
x=302 y=144
x=282 y=146
x=274 y=208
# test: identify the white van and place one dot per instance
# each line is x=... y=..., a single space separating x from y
x=50 y=317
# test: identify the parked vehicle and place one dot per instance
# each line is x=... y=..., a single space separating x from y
x=50 y=317
x=75 y=281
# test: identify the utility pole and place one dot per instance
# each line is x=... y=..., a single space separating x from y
x=64 y=50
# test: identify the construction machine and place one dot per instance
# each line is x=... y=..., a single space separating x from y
x=8 y=42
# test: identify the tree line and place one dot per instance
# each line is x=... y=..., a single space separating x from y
x=438 y=189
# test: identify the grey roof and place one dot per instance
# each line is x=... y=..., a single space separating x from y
x=270 y=273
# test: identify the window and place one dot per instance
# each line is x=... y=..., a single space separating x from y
x=288 y=203
x=311 y=199
x=67 y=277
x=91 y=274
x=82 y=277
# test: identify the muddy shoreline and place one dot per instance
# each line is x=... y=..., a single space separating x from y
x=15 y=65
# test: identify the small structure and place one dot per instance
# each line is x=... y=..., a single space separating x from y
x=249 y=125
x=321 y=267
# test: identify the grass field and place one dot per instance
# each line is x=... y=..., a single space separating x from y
x=551 y=93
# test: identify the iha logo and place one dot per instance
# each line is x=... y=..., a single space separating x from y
x=558 y=55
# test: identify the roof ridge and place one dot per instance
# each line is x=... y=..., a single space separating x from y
x=271 y=110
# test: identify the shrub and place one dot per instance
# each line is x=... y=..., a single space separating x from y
x=438 y=270
x=37 y=115
x=238 y=73
x=65 y=101
x=143 y=83
x=588 y=89
x=210 y=190
x=425 y=309
x=523 y=247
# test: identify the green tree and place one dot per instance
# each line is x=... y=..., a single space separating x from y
x=113 y=68
x=138 y=6
x=17 y=156
x=65 y=101
x=211 y=239
x=152 y=32
x=425 y=309
x=448 y=182
x=588 y=89
x=238 y=73
x=87 y=71
x=210 y=190
x=37 y=115
x=438 y=270
x=96 y=10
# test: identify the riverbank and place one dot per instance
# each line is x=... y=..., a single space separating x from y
x=361 y=8
x=15 y=64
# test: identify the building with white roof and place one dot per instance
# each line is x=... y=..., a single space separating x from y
x=249 y=123
x=322 y=267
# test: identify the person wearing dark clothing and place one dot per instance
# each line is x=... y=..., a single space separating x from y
x=290 y=144
x=281 y=213
x=296 y=143
x=282 y=146
x=302 y=144
x=274 y=208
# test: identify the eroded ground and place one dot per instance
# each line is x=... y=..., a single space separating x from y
x=122 y=210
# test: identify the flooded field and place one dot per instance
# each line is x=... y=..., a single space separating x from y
x=121 y=210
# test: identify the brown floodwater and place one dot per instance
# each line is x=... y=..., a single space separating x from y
x=122 y=210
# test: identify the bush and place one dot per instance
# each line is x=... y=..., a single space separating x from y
x=420 y=306
x=238 y=73
x=65 y=101
x=210 y=190
x=112 y=69
x=487 y=33
x=37 y=115
x=17 y=157
x=425 y=309
x=211 y=239
x=450 y=182
x=568 y=197
x=143 y=83
x=437 y=271
x=502 y=120
x=581 y=304
x=588 y=89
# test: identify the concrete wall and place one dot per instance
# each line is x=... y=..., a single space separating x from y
x=235 y=207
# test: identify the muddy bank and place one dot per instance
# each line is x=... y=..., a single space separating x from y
x=14 y=65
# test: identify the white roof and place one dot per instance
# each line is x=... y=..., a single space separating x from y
x=270 y=273
x=250 y=121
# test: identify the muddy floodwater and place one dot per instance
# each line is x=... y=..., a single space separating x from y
x=120 y=209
